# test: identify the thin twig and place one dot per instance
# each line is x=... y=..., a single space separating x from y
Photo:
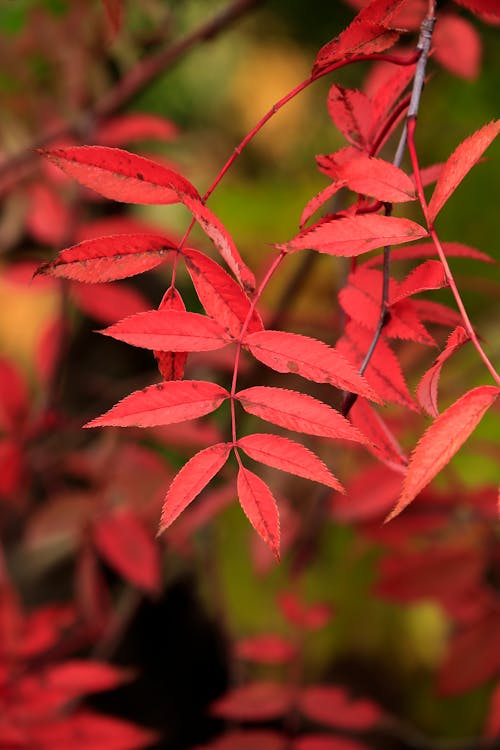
x=130 y=85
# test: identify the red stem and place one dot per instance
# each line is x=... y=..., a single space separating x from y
x=412 y=123
x=270 y=271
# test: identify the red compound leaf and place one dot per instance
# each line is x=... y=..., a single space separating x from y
x=164 y=403
x=287 y=455
x=191 y=480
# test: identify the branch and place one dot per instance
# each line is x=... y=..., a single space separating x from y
x=20 y=164
x=424 y=44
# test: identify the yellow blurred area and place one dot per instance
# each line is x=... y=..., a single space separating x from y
x=260 y=79
x=27 y=309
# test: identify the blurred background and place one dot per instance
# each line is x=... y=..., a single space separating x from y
x=382 y=637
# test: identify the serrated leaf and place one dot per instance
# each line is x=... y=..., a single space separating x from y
x=260 y=508
x=459 y=164
x=121 y=175
x=377 y=178
x=287 y=455
x=171 y=364
x=109 y=258
x=442 y=440
x=383 y=372
x=319 y=200
x=84 y=729
x=351 y=111
x=129 y=548
x=426 y=276
x=383 y=443
x=220 y=295
x=164 y=403
x=354 y=235
x=427 y=389
x=222 y=240
x=191 y=480
x=170 y=331
x=360 y=38
x=308 y=357
x=297 y=411
x=426 y=249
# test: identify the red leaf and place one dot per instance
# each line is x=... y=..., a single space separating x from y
x=171 y=364
x=297 y=411
x=434 y=312
x=457 y=45
x=370 y=494
x=493 y=721
x=109 y=258
x=428 y=275
x=354 y=235
x=259 y=701
x=331 y=706
x=319 y=200
x=482 y=7
x=441 y=572
x=427 y=389
x=378 y=178
x=459 y=164
x=164 y=403
x=351 y=111
x=134 y=126
x=77 y=678
x=387 y=94
x=121 y=224
x=477 y=651
x=86 y=729
x=326 y=742
x=287 y=455
x=49 y=219
x=114 y=10
x=170 y=331
x=308 y=357
x=383 y=372
x=426 y=249
x=359 y=38
x=191 y=479
x=360 y=299
x=121 y=175
x=442 y=440
x=109 y=302
x=222 y=240
x=266 y=649
x=129 y=548
x=309 y=616
x=220 y=295
x=260 y=508
x=383 y=443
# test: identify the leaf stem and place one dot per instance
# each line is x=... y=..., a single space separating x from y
x=412 y=123
x=423 y=48
x=270 y=271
